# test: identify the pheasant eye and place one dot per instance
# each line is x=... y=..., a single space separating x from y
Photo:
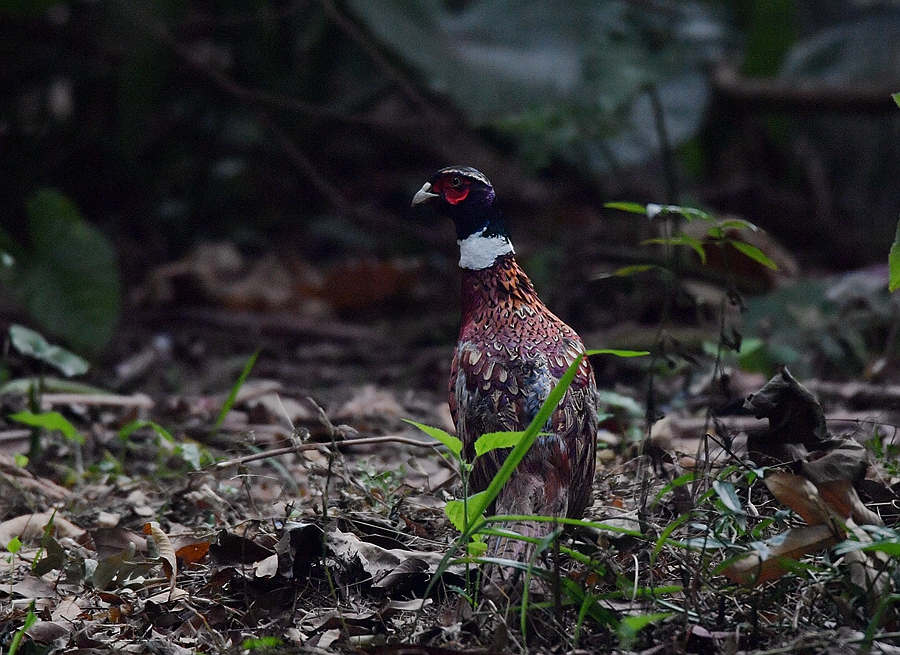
x=456 y=182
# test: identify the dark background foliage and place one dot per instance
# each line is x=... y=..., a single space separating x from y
x=304 y=126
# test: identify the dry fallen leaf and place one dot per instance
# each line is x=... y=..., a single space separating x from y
x=766 y=563
x=30 y=527
x=166 y=552
x=800 y=495
x=842 y=498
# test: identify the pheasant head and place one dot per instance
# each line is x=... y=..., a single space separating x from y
x=466 y=196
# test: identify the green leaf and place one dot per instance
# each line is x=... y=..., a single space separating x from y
x=680 y=481
x=891 y=548
x=894 y=257
x=14 y=545
x=664 y=535
x=453 y=444
x=21 y=460
x=629 y=627
x=229 y=402
x=617 y=352
x=625 y=206
x=261 y=642
x=727 y=494
x=739 y=224
x=49 y=421
x=896 y=97
x=494 y=440
x=70 y=280
x=654 y=210
x=128 y=429
x=754 y=253
x=681 y=240
x=30 y=619
x=33 y=344
x=456 y=511
x=625 y=271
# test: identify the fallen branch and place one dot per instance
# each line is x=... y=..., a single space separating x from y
x=361 y=441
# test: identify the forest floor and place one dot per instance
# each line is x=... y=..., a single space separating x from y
x=311 y=518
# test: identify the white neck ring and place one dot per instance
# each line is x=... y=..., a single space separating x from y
x=477 y=251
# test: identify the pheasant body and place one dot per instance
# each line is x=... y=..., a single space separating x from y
x=512 y=350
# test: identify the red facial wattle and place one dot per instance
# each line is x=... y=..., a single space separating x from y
x=452 y=194
x=456 y=195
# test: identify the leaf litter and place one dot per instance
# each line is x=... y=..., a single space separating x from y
x=325 y=529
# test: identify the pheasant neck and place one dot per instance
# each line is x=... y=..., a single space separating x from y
x=479 y=251
x=503 y=287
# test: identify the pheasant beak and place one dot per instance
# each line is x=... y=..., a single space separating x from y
x=423 y=194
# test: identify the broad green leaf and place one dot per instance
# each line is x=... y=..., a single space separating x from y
x=70 y=280
x=625 y=206
x=894 y=257
x=494 y=440
x=727 y=494
x=681 y=240
x=33 y=344
x=456 y=511
x=896 y=97
x=754 y=253
x=476 y=546
x=14 y=545
x=453 y=444
x=49 y=421
x=229 y=402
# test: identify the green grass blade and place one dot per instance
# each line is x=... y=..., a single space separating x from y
x=479 y=503
x=617 y=352
x=229 y=402
x=894 y=260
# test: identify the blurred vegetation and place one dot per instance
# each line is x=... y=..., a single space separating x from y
x=167 y=122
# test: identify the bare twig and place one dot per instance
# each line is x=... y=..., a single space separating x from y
x=361 y=441
x=107 y=400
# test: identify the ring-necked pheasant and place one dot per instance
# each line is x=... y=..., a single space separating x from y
x=512 y=351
